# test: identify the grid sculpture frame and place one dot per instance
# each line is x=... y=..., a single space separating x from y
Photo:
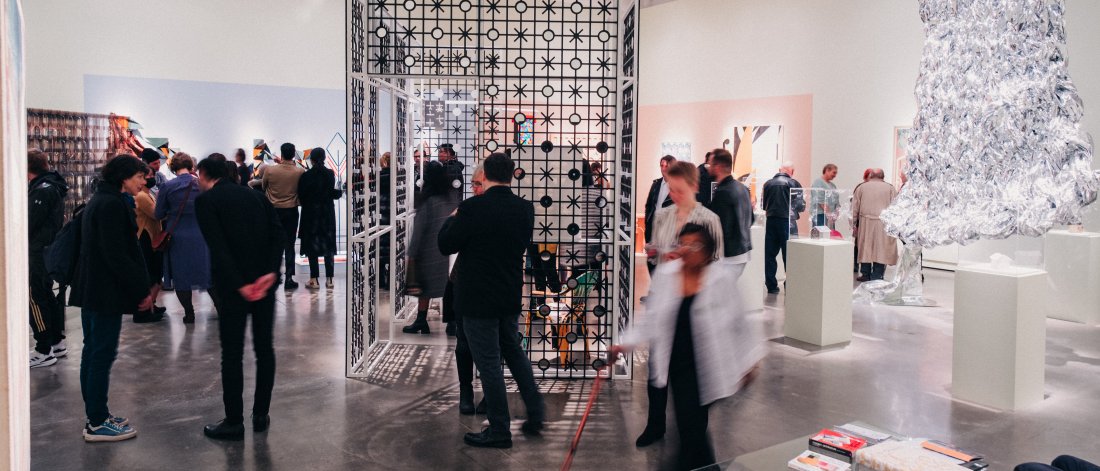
x=553 y=82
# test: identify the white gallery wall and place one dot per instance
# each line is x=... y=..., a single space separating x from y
x=858 y=58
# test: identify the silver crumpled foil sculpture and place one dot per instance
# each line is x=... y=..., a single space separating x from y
x=996 y=147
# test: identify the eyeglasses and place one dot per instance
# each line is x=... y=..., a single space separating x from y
x=477 y=184
x=693 y=247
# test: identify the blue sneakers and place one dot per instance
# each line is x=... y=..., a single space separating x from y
x=108 y=431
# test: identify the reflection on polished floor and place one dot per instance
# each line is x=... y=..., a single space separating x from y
x=896 y=374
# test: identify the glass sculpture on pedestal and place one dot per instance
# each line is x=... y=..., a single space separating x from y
x=996 y=147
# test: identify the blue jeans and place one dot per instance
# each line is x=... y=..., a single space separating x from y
x=100 y=349
x=491 y=339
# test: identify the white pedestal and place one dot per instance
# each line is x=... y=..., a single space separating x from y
x=751 y=282
x=1073 y=267
x=1000 y=335
x=819 y=291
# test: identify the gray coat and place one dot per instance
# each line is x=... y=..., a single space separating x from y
x=430 y=265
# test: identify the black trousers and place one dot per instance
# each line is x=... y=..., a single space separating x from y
x=491 y=339
x=47 y=317
x=776 y=233
x=288 y=217
x=872 y=271
x=101 y=331
x=315 y=269
x=233 y=314
x=464 y=360
x=1061 y=463
x=691 y=417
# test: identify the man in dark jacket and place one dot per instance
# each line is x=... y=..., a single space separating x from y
x=449 y=159
x=777 y=204
x=246 y=244
x=111 y=279
x=492 y=232
x=733 y=206
x=46 y=200
x=657 y=199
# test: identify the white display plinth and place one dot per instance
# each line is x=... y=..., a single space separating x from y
x=819 y=291
x=1073 y=267
x=751 y=282
x=1000 y=335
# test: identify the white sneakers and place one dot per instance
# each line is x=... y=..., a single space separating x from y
x=60 y=349
x=39 y=360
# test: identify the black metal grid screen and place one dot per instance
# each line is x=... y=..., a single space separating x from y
x=551 y=82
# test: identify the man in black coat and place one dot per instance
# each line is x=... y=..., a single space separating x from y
x=246 y=244
x=492 y=231
x=732 y=204
x=658 y=198
x=46 y=201
x=777 y=204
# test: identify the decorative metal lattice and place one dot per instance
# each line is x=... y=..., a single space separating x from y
x=552 y=83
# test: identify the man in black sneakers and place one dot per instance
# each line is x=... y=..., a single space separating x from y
x=492 y=232
x=46 y=199
x=246 y=243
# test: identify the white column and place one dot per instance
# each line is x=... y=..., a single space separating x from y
x=1073 y=267
x=751 y=282
x=819 y=291
x=1000 y=335
x=15 y=449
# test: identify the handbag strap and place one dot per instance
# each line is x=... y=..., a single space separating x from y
x=183 y=205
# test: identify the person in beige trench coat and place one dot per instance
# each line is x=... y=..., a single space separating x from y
x=876 y=249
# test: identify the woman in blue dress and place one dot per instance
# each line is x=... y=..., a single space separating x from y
x=189 y=259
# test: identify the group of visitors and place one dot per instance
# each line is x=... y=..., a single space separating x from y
x=204 y=229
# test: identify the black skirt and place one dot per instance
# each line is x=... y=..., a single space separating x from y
x=154 y=261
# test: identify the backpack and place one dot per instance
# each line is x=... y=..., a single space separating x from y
x=61 y=255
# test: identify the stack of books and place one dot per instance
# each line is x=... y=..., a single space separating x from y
x=844 y=447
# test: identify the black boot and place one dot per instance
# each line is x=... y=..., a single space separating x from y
x=224 y=431
x=189 y=315
x=420 y=325
x=466 y=400
x=655 y=421
x=143 y=317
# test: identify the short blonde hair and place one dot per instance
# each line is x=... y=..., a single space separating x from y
x=685 y=171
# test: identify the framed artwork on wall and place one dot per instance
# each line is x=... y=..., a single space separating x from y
x=680 y=150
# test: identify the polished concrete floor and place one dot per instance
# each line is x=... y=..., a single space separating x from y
x=895 y=374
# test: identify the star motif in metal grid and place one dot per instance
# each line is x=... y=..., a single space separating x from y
x=456 y=94
x=544 y=337
x=437 y=61
x=572 y=258
x=456 y=130
x=548 y=7
x=418 y=129
x=380 y=60
x=575 y=35
x=473 y=148
x=520 y=148
x=601 y=230
x=464 y=33
x=408 y=32
x=547 y=174
x=605 y=63
x=548 y=119
x=472 y=111
x=574 y=147
x=520 y=91
x=574 y=202
x=605 y=8
x=418 y=93
x=548 y=63
x=380 y=5
x=437 y=6
x=493 y=6
x=521 y=36
x=603 y=119
x=603 y=286
x=493 y=61
x=571 y=365
x=545 y=228
x=574 y=91
x=601 y=338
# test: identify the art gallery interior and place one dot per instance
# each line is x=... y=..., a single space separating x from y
x=978 y=348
